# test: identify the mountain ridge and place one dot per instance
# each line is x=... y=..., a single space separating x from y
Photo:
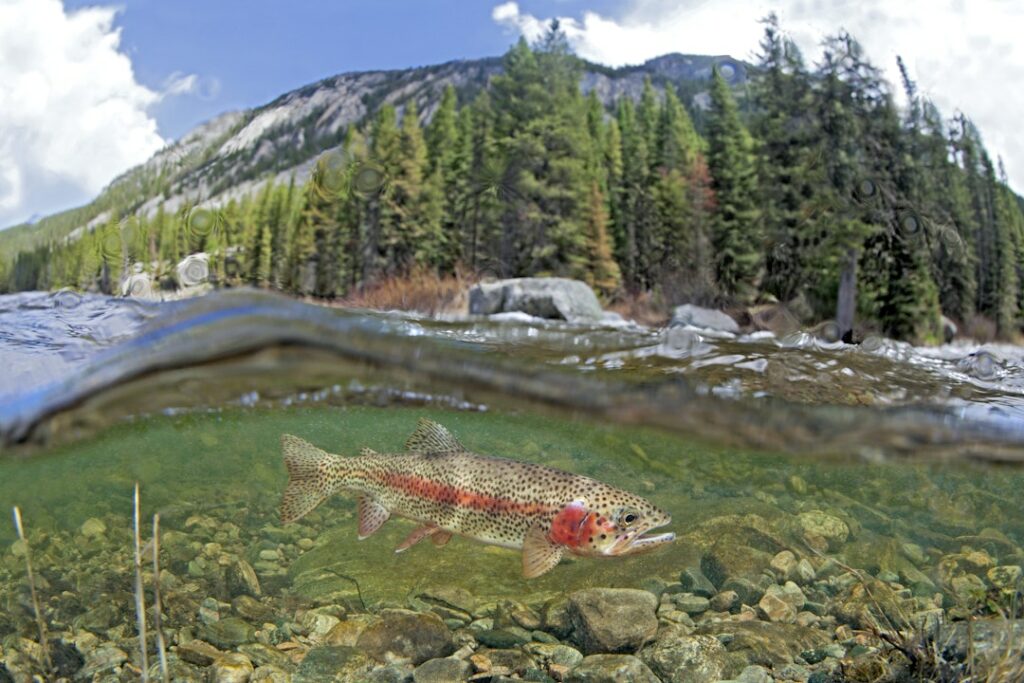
x=234 y=153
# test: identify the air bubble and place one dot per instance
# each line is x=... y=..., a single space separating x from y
x=910 y=224
x=193 y=270
x=66 y=298
x=983 y=365
x=330 y=181
x=829 y=332
x=872 y=343
x=368 y=179
x=202 y=223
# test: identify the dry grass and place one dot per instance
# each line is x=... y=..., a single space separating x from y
x=44 y=644
x=645 y=308
x=421 y=290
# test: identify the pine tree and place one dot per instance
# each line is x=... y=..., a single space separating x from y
x=542 y=137
x=737 y=232
x=449 y=151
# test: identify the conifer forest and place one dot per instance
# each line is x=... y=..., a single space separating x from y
x=810 y=173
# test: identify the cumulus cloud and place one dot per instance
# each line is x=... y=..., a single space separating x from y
x=72 y=115
x=964 y=56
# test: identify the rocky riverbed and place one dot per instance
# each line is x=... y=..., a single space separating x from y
x=796 y=597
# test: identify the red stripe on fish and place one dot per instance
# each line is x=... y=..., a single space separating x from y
x=452 y=495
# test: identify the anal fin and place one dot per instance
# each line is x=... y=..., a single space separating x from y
x=372 y=516
x=540 y=554
x=417 y=535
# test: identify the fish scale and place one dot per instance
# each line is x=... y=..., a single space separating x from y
x=438 y=483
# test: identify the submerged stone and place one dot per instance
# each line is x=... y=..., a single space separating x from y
x=231 y=668
x=612 y=619
x=442 y=670
x=679 y=657
x=612 y=669
x=333 y=665
x=406 y=635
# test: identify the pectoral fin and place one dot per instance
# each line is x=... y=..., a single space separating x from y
x=540 y=554
x=372 y=516
x=417 y=535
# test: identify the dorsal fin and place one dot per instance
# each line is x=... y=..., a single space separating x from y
x=431 y=437
x=367 y=452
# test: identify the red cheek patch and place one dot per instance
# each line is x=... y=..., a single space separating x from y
x=572 y=526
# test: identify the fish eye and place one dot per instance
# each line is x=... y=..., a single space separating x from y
x=628 y=516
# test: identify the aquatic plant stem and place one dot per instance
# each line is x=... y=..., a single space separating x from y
x=43 y=642
x=140 y=603
x=157 y=619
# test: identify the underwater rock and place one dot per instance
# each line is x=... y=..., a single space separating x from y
x=501 y=638
x=442 y=670
x=451 y=596
x=99 y=618
x=707 y=318
x=821 y=530
x=867 y=605
x=229 y=632
x=242 y=580
x=231 y=668
x=758 y=674
x=692 y=580
x=690 y=603
x=764 y=643
x=93 y=527
x=100 y=660
x=269 y=674
x=1007 y=576
x=556 y=653
x=556 y=618
x=986 y=639
x=784 y=563
x=347 y=631
x=612 y=669
x=746 y=591
x=251 y=609
x=679 y=657
x=724 y=601
x=727 y=560
x=198 y=652
x=775 y=608
x=543 y=297
x=406 y=635
x=333 y=664
x=612 y=619
x=507 y=660
x=260 y=655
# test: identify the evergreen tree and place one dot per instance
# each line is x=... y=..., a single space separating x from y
x=737 y=232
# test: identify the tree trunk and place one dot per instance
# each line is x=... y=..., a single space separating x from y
x=847 y=300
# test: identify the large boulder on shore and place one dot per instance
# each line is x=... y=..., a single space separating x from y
x=710 y=319
x=544 y=297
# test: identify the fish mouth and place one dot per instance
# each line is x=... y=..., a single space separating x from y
x=641 y=543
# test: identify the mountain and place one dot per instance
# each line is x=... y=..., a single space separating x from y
x=235 y=153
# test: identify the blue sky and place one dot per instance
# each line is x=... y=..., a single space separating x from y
x=91 y=88
x=246 y=57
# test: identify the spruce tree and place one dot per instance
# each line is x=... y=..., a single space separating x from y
x=736 y=236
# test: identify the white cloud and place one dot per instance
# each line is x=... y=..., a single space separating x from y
x=180 y=84
x=964 y=56
x=72 y=115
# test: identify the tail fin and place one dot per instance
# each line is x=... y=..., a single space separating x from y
x=312 y=476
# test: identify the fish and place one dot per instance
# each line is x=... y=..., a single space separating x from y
x=448 y=490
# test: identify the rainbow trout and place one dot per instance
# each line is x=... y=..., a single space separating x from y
x=448 y=490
